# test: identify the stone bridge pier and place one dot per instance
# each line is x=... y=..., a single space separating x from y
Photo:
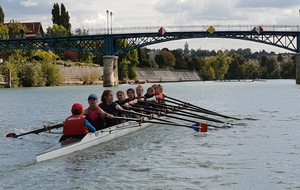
x=110 y=71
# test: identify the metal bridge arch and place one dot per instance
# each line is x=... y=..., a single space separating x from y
x=286 y=40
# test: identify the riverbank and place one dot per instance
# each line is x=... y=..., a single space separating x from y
x=80 y=75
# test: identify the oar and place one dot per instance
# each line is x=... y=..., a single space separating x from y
x=197 y=127
x=160 y=113
x=200 y=108
x=46 y=128
x=145 y=115
x=185 y=114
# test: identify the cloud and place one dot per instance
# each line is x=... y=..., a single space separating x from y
x=266 y=3
x=29 y=3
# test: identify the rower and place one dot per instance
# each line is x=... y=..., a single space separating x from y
x=109 y=106
x=76 y=126
x=94 y=114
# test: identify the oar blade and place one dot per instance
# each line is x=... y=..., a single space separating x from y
x=200 y=127
x=11 y=135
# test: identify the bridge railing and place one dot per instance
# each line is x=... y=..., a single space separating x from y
x=181 y=28
x=192 y=28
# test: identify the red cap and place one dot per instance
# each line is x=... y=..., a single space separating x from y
x=77 y=109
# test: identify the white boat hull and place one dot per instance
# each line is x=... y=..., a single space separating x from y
x=71 y=145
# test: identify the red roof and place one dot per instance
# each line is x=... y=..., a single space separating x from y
x=35 y=27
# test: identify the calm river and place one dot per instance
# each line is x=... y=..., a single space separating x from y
x=253 y=154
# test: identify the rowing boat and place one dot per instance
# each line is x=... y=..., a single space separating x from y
x=69 y=146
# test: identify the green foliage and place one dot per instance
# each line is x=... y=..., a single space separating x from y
x=159 y=59
x=85 y=57
x=190 y=65
x=207 y=72
x=147 y=63
x=180 y=63
x=56 y=14
x=234 y=71
x=1 y=15
x=251 y=70
x=4 y=32
x=57 y=31
x=126 y=70
x=30 y=75
x=45 y=56
x=51 y=74
x=60 y=16
x=168 y=57
x=132 y=73
x=288 y=70
x=220 y=64
x=11 y=64
x=16 y=30
x=123 y=69
x=81 y=32
x=272 y=67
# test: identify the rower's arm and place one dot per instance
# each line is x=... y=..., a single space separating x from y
x=89 y=126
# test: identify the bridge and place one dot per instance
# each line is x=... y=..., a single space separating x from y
x=120 y=40
x=111 y=42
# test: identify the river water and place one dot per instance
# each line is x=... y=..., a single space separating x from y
x=263 y=153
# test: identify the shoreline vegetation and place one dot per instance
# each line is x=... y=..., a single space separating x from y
x=36 y=68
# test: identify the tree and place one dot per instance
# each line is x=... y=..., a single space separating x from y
x=81 y=32
x=147 y=63
x=56 y=14
x=70 y=55
x=1 y=15
x=51 y=74
x=4 y=32
x=280 y=58
x=179 y=59
x=123 y=69
x=169 y=59
x=207 y=72
x=16 y=30
x=56 y=31
x=288 y=70
x=30 y=75
x=65 y=18
x=272 y=67
x=234 y=71
x=220 y=64
x=61 y=17
x=159 y=59
x=251 y=70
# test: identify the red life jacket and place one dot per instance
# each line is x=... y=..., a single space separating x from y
x=159 y=97
x=74 y=125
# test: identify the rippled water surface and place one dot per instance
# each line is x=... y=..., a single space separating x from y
x=254 y=154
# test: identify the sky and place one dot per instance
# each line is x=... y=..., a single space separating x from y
x=91 y=14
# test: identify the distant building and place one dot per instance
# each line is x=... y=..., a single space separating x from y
x=152 y=54
x=186 y=51
x=34 y=27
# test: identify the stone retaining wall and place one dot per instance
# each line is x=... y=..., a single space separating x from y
x=166 y=75
x=76 y=74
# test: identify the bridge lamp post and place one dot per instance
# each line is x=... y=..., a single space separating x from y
x=107 y=12
x=111 y=14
